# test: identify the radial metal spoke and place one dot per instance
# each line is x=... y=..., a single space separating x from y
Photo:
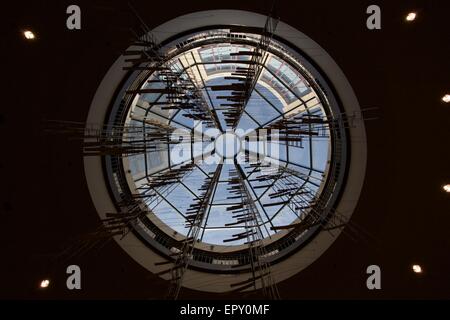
x=195 y=218
x=248 y=215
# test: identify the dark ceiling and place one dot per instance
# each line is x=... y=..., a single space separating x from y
x=402 y=69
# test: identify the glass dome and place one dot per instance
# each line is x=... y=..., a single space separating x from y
x=272 y=159
x=281 y=92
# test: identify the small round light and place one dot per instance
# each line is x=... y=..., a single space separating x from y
x=446 y=98
x=29 y=35
x=411 y=16
x=446 y=188
x=45 y=283
x=417 y=269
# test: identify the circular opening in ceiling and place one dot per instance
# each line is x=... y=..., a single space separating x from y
x=283 y=124
x=246 y=146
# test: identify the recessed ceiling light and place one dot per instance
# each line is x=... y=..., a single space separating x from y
x=45 y=283
x=29 y=35
x=446 y=98
x=417 y=269
x=446 y=188
x=411 y=16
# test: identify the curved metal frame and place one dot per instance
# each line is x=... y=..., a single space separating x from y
x=202 y=259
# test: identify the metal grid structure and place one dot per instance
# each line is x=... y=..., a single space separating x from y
x=170 y=97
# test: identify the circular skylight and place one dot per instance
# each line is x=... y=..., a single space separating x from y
x=281 y=93
x=228 y=148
